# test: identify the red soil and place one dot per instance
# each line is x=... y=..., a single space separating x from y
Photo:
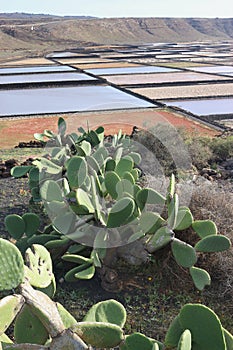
x=12 y=131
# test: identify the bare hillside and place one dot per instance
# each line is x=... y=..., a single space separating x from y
x=37 y=34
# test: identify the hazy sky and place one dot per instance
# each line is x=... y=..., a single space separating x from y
x=123 y=8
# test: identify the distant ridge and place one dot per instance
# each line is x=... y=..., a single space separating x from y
x=40 y=33
x=23 y=15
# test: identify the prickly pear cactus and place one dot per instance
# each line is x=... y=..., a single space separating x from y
x=137 y=341
x=29 y=329
x=99 y=334
x=38 y=267
x=12 y=266
x=9 y=308
x=110 y=311
x=204 y=325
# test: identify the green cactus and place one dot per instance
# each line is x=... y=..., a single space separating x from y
x=19 y=171
x=83 y=271
x=28 y=328
x=67 y=319
x=213 y=243
x=61 y=126
x=110 y=181
x=46 y=166
x=160 y=239
x=174 y=333
x=15 y=225
x=184 y=219
x=38 y=267
x=4 y=340
x=173 y=207
x=124 y=188
x=204 y=325
x=128 y=176
x=204 y=228
x=200 y=277
x=50 y=290
x=99 y=334
x=184 y=253
x=65 y=223
x=76 y=171
x=120 y=212
x=78 y=259
x=32 y=223
x=9 y=308
x=124 y=165
x=137 y=341
x=41 y=239
x=228 y=339
x=93 y=164
x=51 y=191
x=110 y=165
x=171 y=188
x=12 y=266
x=109 y=311
x=150 y=222
x=149 y=196
x=185 y=342
x=84 y=201
x=34 y=174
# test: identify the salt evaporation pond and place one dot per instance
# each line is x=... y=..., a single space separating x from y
x=131 y=70
x=35 y=69
x=205 y=106
x=44 y=78
x=213 y=69
x=68 y=99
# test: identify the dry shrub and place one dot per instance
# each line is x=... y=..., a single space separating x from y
x=215 y=201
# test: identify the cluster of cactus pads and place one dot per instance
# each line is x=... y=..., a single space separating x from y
x=93 y=194
x=39 y=323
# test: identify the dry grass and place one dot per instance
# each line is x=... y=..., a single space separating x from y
x=215 y=202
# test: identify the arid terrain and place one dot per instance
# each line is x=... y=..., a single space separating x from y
x=31 y=35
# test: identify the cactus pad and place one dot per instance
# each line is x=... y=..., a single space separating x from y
x=174 y=333
x=9 y=308
x=185 y=342
x=162 y=237
x=184 y=253
x=121 y=211
x=15 y=225
x=204 y=228
x=213 y=243
x=137 y=341
x=150 y=222
x=67 y=319
x=32 y=223
x=107 y=311
x=38 y=267
x=184 y=219
x=12 y=265
x=204 y=325
x=149 y=196
x=111 y=180
x=76 y=171
x=200 y=277
x=99 y=334
x=51 y=191
x=19 y=171
x=29 y=329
